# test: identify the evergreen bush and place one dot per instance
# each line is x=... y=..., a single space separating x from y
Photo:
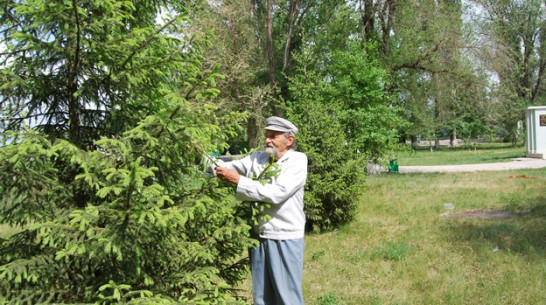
x=345 y=119
x=336 y=172
x=153 y=226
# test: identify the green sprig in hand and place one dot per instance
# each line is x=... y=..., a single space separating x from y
x=272 y=170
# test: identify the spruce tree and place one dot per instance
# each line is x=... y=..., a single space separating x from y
x=101 y=176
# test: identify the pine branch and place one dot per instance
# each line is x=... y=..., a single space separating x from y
x=147 y=41
x=177 y=109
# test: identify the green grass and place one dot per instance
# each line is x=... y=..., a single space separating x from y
x=470 y=154
x=407 y=246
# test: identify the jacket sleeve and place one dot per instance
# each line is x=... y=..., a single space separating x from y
x=291 y=178
x=241 y=166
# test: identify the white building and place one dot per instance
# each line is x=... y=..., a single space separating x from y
x=536 y=132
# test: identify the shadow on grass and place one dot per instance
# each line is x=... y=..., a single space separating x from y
x=523 y=233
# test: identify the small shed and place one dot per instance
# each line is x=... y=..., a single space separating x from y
x=536 y=132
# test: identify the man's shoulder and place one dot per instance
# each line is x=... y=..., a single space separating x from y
x=296 y=156
x=299 y=154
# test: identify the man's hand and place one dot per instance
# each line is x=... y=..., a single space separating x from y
x=227 y=175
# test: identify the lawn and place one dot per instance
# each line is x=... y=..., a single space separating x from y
x=468 y=154
x=458 y=238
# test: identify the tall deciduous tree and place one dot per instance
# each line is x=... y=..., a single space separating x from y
x=339 y=100
x=423 y=46
x=283 y=36
x=255 y=43
x=515 y=50
x=239 y=53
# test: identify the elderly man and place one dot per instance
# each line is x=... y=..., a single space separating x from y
x=277 y=263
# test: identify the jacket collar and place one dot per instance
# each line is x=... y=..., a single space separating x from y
x=286 y=155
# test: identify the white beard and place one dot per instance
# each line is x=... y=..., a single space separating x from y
x=272 y=151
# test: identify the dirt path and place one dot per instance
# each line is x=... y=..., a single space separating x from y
x=518 y=163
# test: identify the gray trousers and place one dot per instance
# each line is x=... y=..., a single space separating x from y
x=277 y=268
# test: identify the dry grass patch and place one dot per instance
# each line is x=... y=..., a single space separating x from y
x=486 y=214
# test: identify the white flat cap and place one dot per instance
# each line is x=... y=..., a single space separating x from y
x=279 y=124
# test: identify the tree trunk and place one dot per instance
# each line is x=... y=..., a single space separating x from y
x=386 y=15
x=437 y=140
x=294 y=9
x=271 y=58
x=367 y=13
x=402 y=138
x=270 y=55
x=414 y=142
x=73 y=107
x=453 y=139
x=252 y=131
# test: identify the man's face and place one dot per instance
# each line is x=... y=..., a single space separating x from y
x=276 y=143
